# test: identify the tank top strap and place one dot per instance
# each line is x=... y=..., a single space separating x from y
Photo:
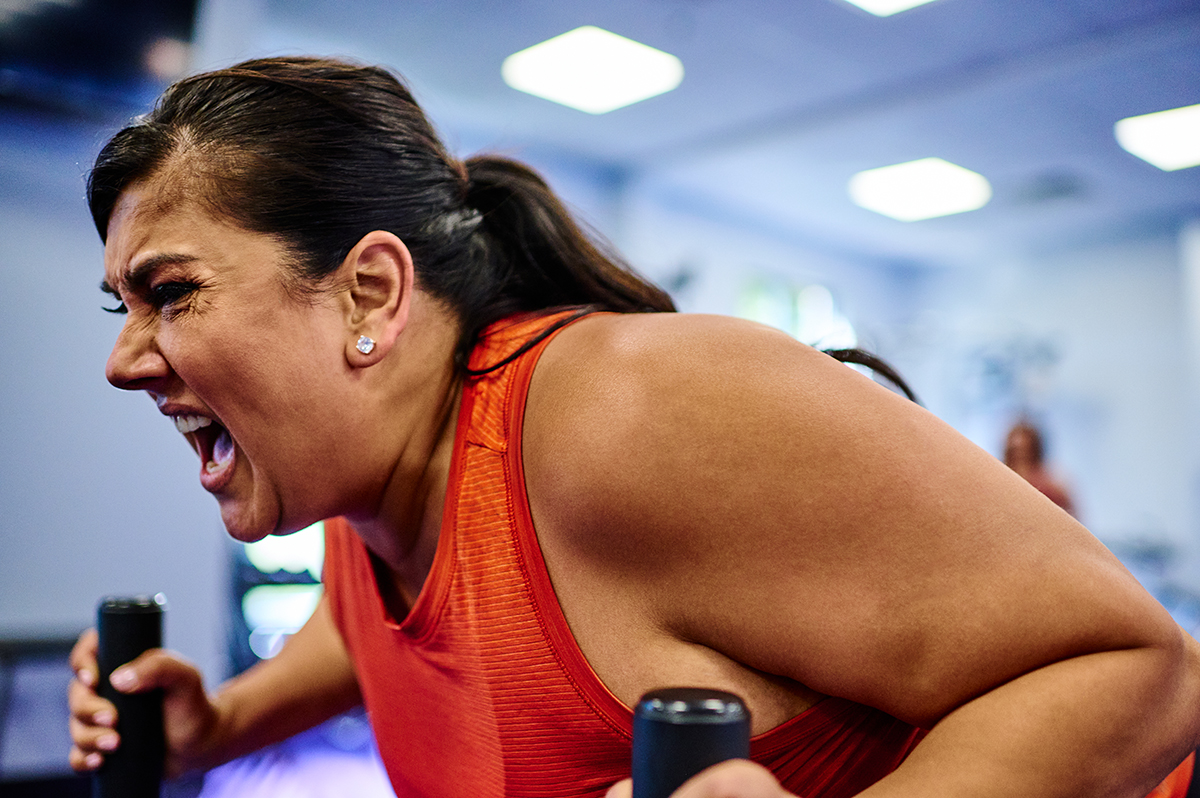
x=502 y=362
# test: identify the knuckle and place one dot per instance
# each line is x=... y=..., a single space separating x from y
x=78 y=691
x=83 y=704
x=84 y=739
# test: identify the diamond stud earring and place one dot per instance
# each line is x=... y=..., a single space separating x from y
x=365 y=344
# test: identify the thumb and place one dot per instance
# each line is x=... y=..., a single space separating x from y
x=154 y=669
x=622 y=789
x=736 y=778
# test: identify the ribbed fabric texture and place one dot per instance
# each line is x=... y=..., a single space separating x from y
x=481 y=689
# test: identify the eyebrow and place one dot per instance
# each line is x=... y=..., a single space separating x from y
x=136 y=276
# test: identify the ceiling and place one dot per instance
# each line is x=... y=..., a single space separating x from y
x=783 y=100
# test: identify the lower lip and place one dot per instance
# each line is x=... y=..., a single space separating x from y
x=216 y=481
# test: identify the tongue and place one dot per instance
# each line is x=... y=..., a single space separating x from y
x=222 y=451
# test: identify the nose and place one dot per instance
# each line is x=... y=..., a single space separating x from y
x=136 y=363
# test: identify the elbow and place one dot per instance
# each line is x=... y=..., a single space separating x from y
x=1189 y=674
x=1171 y=687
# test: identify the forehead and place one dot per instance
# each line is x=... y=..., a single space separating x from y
x=150 y=204
x=150 y=222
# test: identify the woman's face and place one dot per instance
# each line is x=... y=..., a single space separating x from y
x=1020 y=449
x=252 y=376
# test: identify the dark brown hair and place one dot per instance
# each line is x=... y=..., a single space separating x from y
x=320 y=152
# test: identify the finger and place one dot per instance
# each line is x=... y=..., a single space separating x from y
x=156 y=668
x=88 y=707
x=622 y=789
x=83 y=658
x=736 y=778
x=93 y=739
x=84 y=762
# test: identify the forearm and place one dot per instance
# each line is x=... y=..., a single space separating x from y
x=1107 y=724
x=309 y=681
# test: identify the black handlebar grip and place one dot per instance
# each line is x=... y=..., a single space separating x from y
x=680 y=731
x=127 y=627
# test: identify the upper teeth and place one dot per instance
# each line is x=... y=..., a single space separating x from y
x=187 y=424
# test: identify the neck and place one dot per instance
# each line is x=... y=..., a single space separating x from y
x=420 y=398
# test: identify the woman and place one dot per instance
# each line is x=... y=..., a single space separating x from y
x=344 y=322
x=1025 y=454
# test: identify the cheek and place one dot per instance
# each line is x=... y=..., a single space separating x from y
x=281 y=368
x=220 y=368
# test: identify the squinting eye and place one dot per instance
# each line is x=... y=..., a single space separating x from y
x=118 y=309
x=167 y=294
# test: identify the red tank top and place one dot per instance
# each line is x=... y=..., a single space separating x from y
x=481 y=690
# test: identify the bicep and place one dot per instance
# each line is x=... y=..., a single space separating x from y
x=789 y=513
x=913 y=575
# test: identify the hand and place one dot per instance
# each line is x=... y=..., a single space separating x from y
x=737 y=778
x=189 y=717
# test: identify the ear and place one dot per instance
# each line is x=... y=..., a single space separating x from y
x=379 y=280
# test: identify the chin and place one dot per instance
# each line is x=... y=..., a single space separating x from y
x=244 y=535
x=244 y=529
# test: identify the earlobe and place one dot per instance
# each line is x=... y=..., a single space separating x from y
x=380 y=281
x=363 y=352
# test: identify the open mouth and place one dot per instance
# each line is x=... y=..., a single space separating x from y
x=210 y=440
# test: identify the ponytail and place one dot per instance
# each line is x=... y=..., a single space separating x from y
x=536 y=257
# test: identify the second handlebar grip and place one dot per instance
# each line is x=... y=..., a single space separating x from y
x=680 y=731
x=128 y=627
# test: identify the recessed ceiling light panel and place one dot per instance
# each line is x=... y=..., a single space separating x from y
x=592 y=70
x=885 y=8
x=1168 y=139
x=920 y=189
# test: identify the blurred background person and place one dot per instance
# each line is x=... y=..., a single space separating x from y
x=1025 y=453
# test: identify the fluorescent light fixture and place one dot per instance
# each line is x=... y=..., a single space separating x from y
x=920 y=189
x=885 y=8
x=592 y=70
x=1168 y=139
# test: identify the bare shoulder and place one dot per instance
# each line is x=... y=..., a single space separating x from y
x=769 y=503
x=657 y=437
x=625 y=408
x=633 y=369
x=668 y=345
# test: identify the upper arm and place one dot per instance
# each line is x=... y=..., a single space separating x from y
x=786 y=511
